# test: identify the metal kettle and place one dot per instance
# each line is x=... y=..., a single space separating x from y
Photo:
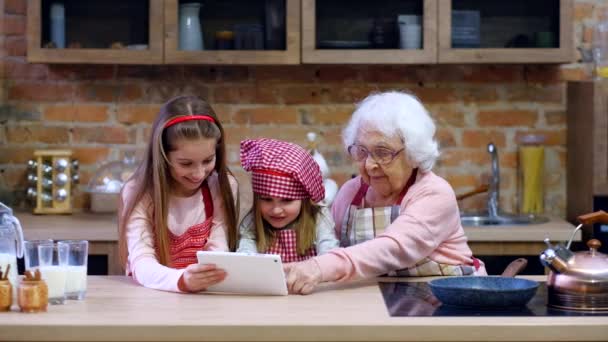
x=578 y=280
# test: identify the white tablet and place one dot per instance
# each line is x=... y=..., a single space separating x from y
x=260 y=274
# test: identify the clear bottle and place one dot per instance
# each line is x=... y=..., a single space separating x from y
x=531 y=174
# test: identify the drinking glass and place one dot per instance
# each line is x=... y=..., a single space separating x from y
x=53 y=260
x=76 y=269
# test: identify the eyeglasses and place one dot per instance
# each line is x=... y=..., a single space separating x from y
x=380 y=155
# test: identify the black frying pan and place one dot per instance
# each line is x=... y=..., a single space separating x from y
x=486 y=291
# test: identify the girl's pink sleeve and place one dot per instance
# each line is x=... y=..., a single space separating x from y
x=142 y=261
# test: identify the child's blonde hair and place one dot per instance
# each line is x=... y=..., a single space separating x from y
x=305 y=226
x=152 y=177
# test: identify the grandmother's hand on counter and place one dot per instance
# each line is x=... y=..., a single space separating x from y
x=302 y=277
x=198 y=277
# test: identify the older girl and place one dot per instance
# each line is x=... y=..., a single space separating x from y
x=180 y=200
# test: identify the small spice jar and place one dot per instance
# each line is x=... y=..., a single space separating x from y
x=224 y=40
x=6 y=295
x=33 y=295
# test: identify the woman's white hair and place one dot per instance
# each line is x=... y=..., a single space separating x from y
x=396 y=113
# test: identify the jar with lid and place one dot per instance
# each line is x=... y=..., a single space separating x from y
x=105 y=186
x=531 y=174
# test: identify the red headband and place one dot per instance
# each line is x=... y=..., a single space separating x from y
x=183 y=118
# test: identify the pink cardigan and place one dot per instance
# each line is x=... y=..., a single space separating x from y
x=428 y=226
x=184 y=212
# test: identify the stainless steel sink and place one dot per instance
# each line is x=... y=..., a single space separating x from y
x=500 y=220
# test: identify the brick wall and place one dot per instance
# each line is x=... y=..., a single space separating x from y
x=100 y=111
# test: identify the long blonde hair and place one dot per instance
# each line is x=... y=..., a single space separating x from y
x=152 y=177
x=305 y=226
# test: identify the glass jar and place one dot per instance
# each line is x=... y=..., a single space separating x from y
x=105 y=186
x=531 y=174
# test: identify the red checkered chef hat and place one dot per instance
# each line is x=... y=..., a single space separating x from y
x=282 y=169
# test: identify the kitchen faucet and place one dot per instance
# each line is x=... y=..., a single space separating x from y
x=493 y=192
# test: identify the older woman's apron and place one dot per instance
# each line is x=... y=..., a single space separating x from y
x=361 y=224
x=285 y=244
x=183 y=248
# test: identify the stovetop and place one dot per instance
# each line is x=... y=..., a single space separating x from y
x=416 y=299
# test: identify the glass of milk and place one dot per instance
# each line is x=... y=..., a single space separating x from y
x=76 y=269
x=31 y=252
x=53 y=261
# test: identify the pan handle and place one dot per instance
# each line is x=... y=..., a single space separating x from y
x=515 y=267
x=591 y=218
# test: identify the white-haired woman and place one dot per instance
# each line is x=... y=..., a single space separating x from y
x=397 y=217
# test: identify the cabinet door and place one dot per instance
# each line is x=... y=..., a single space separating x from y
x=233 y=32
x=369 y=32
x=499 y=31
x=95 y=31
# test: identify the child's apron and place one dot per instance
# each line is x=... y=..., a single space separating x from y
x=285 y=244
x=362 y=224
x=183 y=248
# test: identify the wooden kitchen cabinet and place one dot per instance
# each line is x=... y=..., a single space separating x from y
x=367 y=32
x=97 y=32
x=587 y=143
x=498 y=31
x=244 y=19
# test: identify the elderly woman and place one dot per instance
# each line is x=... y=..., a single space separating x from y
x=397 y=217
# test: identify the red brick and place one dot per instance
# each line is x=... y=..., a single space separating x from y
x=97 y=92
x=233 y=73
x=445 y=137
x=459 y=181
x=552 y=137
x=507 y=118
x=90 y=155
x=447 y=116
x=21 y=70
x=587 y=34
x=15 y=46
x=582 y=11
x=133 y=114
x=327 y=115
x=436 y=95
x=15 y=6
x=163 y=73
x=336 y=73
x=302 y=95
x=294 y=134
x=102 y=135
x=14 y=25
x=284 y=73
x=238 y=94
x=396 y=74
x=537 y=93
x=16 y=177
x=507 y=159
x=76 y=112
x=266 y=115
x=479 y=94
x=544 y=74
x=557 y=117
x=481 y=138
x=463 y=157
x=37 y=133
x=65 y=72
x=130 y=93
x=491 y=73
x=349 y=94
x=40 y=91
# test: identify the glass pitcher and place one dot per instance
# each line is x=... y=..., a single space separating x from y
x=11 y=242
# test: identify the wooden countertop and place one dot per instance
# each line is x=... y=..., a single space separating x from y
x=96 y=227
x=118 y=309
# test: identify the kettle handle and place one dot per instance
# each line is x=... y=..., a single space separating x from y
x=15 y=222
x=591 y=218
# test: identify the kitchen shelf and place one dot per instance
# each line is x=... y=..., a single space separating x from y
x=335 y=32
x=134 y=28
x=223 y=15
x=538 y=31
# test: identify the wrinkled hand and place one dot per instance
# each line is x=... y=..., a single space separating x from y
x=199 y=277
x=302 y=277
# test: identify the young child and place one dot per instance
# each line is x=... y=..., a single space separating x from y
x=285 y=218
x=180 y=200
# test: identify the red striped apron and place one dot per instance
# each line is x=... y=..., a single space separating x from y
x=183 y=248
